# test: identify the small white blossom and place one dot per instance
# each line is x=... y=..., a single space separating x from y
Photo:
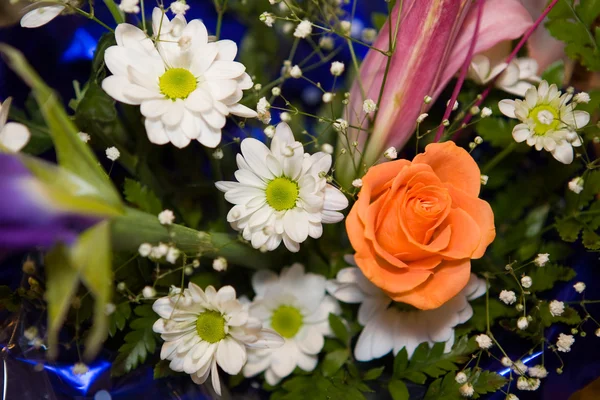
x=84 y=137
x=478 y=140
x=538 y=372
x=474 y=110
x=526 y=282
x=391 y=153
x=121 y=286
x=340 y=125
x=267 y=18
x=31 y=333
x=166 y=217
x=579 y=287
x=145 y=249
x=296 y=72
x=303 y=29
x=276 y=91
x=484 y=341
x=466 y=390
x=519 y=368
x=285 y=116
x=582 y=97
x=80 y=368
x=597 y=332
x=326 y=43
x=357 y=183
x=565 y=342
x=218 y=154
x=346 y=27
x=327 y=97
x=148 y=292
x=130 y=6
x=369 y=106
x=172 y=255
x=522 y=323
x=159 y=251
x=368 y=35
x=269 y=131
x=454 y=107
x=542 y=259
x=486 y=112
x=220 y=264
x=109 y=308
x=511 y=397
x=576 y=184
x=427 y=99
x=461 y=378
x=529 y=384
x=112 y=153
x=484 y=179
x=179 y=7
x=327 y=148
x=507 y=362
x=262 y=109
x=337 y=68
x=422 y=117
x=557 y=308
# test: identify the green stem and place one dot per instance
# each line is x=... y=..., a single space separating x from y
x=498 y=157
x=93 y=18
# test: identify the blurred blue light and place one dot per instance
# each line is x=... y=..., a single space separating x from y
x=82 y=47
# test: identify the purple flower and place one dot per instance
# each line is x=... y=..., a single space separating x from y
x=31 y=215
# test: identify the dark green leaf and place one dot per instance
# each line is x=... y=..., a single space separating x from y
x=400 y=362
x=591 y=240
x=334 y=361
x=444 y=388
x=339 y=329
x=496 y=131
x=484 y=382
x=142 y=197
x=568 y=229
x=118 y=319
x=398 y=390
x=555 y=73
x=373 y=373
x=161 y=369
x=570 y=316
x=478 y=321
x=544 y=278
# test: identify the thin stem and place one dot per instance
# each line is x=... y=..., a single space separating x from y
x=143 y=17
x=92 y=17
x=498 y=157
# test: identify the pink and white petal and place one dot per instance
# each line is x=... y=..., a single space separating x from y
x=267 y=339
x=255 y=155
x=225 y=294
x=262 y=280
x=177 y=137
x=146 y=77
x=203 y=60
x=582 y=118
x=216 y=383
x=376 y=339
x=197 y=31
x=245 y=81
x=331 y=217
x=296 y=224
x=214 y=118
x=189 y=125
x=372 y=306
x=292 y=246
x=271 y=377
x=41 y=16
x=172 y=117
x=256 y=366
x=283 y=360
x=14 y=136
x=334 y=199
x=310 y=340
x=133 y=38
x=329 y=305
x=315 y=230
x=156 y=131
x=221 y=89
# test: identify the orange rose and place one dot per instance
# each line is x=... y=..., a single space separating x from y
x=417 y=225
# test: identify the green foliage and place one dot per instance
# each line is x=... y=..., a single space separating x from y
x=142 y=197
x=555 y=73
x=334 y=361
x=373 y=374
x=496 y=131
x=140 y=342
x=161 y=370
x=9 y=300
x=398 y=390
x=573 y=25
x=544 y=278
x=432 y=362
x=570 y=316
x=484 y=382
x=444 y=388
x=478 y=322
x=118 y=319
x=339 y=329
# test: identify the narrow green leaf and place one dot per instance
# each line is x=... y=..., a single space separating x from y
x=118 y=319
x=398 y=390
x=339 y=329
x=373 y=373
x=62 y=280
x=400 y=362
x=72 y=153
x=334 y=361
x=115 y=11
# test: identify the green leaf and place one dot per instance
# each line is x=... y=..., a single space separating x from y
x=570 y=316
x=334 y=361
x=444 y=388
x=484 y=382
x=142 y=197
x=568 y=229
x=591 y=240
x=378 y=20
x=339 y=329
x=8 y=299
x=544 y=278
x=106 y=40
x=115 y=11
x=62 y=280
x=162 y=370
x=140 y=342
x=72 y=153
x=400 y=362
x=373 y=374
x=398 y=390
x=555 y=73
x=118 y=319
x=496 y=131
x=478 y=321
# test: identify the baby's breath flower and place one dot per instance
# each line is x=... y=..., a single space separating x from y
x=368 y=35
x=327 y=148
x=461 y=378
x=285 y=116
x=84 y=137
x=519 y=368
x=326 y=43
x=508 y=297
x=262 y=109
x=31 y=333
x=267 y=18
x=484 y=179
x=522 y=323
x=296 y=72
x=427 y=99
x=80 y=368
x=130 y=6
x=507 y=362
x=340 y=125
x=557 y=308
x=346 y=27
x=484 y=341
x=337 y=68
x=269 y=131
x=454 y=106
x=218 y=154
x=581 y=97
x=148 y=292
x=276 y=91
x=179 y=7
x=511 y=397
x=220 y=264
x=526 y=281
x=478 y=140
x=538 y=372
x=303 y=29
x=422 y=117
x=486 y=112
x=391 y=153
x=542 y=259
x=466 y=390
x=369 y=106
x=565 y=342
x=474 y=110
x=357 y=183
x=327 y=97
x=172 y=255
x=166 y=217
x=579 y=287
x=112 y=153
x=576 y=184
x=145 y=249
x=121 y=286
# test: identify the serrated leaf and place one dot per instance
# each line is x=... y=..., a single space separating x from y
x=398 y=390
x=590 y=239
x=444 y=388
x=568 y=229
x=161 y=369
x=142 y=197
x=570 y=316
x=484 y=382
x=544 y=278
x=333 y=361
x=400 y=362
x=118 y=319
x=339 y=329
x=140 y=342
x=373 y=373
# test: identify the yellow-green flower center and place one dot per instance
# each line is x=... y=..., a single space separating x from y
x=282 y=193
x=545 y=118
x=177 y=83
x=286 y=321
x=211 y=326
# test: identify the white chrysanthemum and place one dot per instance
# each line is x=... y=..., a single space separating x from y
x=295 y=305
x=41 y=16
x=282 y=193
x=185 y=86
x=565 y=342
x=388 y=328
x=13 y=135
x=515 y=78
x=203 y=329
x=549 y=121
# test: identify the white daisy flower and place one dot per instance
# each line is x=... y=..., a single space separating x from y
x=185 y=85
x=41 y=15
x=203 y=329
x=282 y=193
x=388 y=328
x=515 y=78
x=13 y=135
x=549 y=121
x=295 y=305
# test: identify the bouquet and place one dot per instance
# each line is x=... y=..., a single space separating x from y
x=292 y=199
